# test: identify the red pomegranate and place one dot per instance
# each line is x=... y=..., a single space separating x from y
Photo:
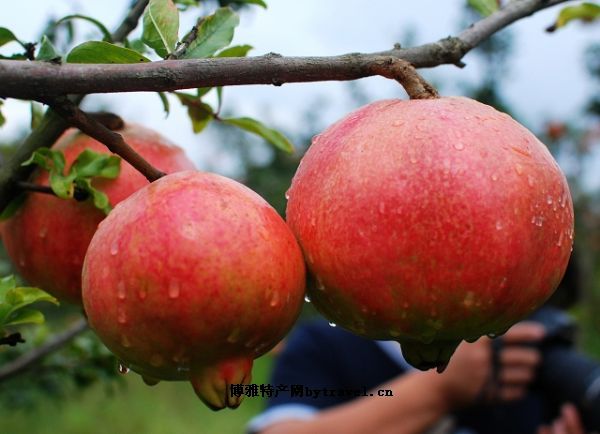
x=48 y=237
x=191 y=278
x=429 y=222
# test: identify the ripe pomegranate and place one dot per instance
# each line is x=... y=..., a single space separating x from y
x=429 y=222
x=48 y=237
x=191 y=278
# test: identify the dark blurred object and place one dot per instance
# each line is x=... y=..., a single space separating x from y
x=569 y=290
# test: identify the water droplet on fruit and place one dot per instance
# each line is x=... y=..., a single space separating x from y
x=287 y=195
x=382 y=207
x=413 y=159
x=503 y=283
x=156 y=360
x=174 y=289
x=43 y=232
x=492 y=335
x=469 y=299
x=499 y=225
x=121 y=290
x=560 y=239
x=234 y=336
x=123 y=369
x=494 y=177
x=459 y=146
x=307 y=298
x=549 y=200
x=114 y=248
x=125 y=342
x=320 y=284
x=397 y=123
x=519 y=168
x=121 y=316
x=530 y=180
x=274 y=299
x=332 y=324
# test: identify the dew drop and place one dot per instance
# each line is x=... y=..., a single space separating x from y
x=174 y=289
x=332 y=324
x=114 y=248
x=492 y=335
x=530 y=180
x=287 y=195
x=307 y=298
x=274 y=299
x=123 y=369
x=398 y=123
x=519 y=168
x=121 y=290
x=499 y=225
x=549 y=200
x=459 y=146
x=494 y=177
x=413 y=159
x=43 y=232
x=121 y=316
x=320 y=284
x=560 y=239
x=156 y=360
x=125 y=342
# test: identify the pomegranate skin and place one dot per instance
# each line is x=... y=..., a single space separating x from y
x=191 y=278
x=48 y=237
x=429 y=222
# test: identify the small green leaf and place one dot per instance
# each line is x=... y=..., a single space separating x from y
x=104 y=52
x=13 y=206
x=165 y=102
x=98 y=24
x=13 y=299
x=484 y=7
x=199 y=112
x=270 y=135
x=203 y=91
x=253 y=2
x=61 y=185
x=586 y=12
x=2 y=118
x=215 y=32
x=89 y=164
x=25 y=316
x=7 y=36
x=47 y=159
x=161 y=26
x=236 y=51
x=99 y=198
x=47 y=51
x=37 y=113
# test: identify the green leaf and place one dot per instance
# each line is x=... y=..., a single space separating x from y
x=14 y=299
x=47 y=159
x=104 y=52
x=89 y=164
x=2 y=118
x=37 y=113
x=203 y=91
x=236 y=51
x=98 y=24
x=165 y=102
x=13 y=206
x=215 y=32
x=99 y=198
x=253 y=2
x=161 y=26
x=25 y=316
x=586 y=12
x=61 y=185
x=484 y=7
x=47 y=51
x=7 y=36
x=270 y=135
x=199 y=112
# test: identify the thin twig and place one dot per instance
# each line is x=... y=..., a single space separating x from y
x=30 y=186
x=113 y=141
x=36 y=355
x=52 y=126
x=12 y=340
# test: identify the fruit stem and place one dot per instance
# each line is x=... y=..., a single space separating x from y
x=406 y=74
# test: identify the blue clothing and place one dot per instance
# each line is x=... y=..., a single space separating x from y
x=320 y=357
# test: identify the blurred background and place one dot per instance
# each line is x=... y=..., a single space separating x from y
x=549 y=82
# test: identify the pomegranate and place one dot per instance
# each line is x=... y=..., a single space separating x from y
x=48 y=236
x=429 y=222
x=191 y=278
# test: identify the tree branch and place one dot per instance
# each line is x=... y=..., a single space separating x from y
x=52 y=126
x=36 y=355
x=35 y=80
x=70 y=112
